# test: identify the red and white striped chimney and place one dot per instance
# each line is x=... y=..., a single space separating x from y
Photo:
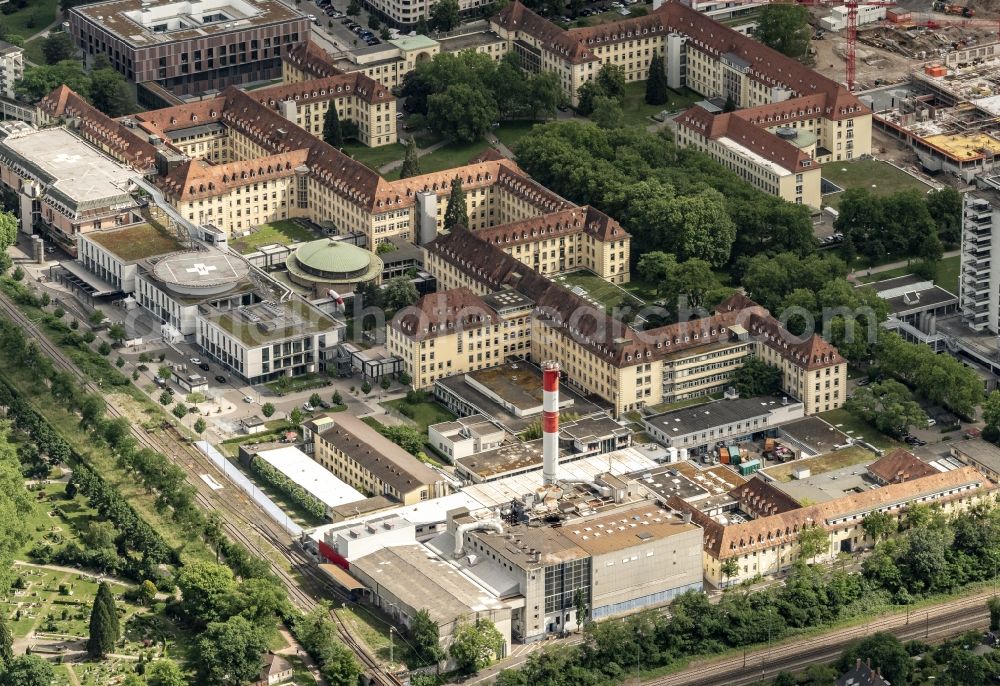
x=550 y=421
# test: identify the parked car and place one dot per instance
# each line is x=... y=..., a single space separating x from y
x=195 y=360
x=346 y=20
x=307 y=407
x=325 y=405
x=170 y=391
x=248 y=399
x=204 y=366
x=220 y=378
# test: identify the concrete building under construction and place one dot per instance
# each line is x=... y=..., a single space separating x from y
x=949 y=113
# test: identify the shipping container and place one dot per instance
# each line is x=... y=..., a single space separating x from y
x=723 y=456
x=898 y=16
x=749 y=467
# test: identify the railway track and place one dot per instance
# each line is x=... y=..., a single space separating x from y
x=241 y=517
x=762 y=664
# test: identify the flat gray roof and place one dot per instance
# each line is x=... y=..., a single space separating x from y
x=666 y=481
x=916 y=301
x=814 y=433
x=980 y=451
x=422 y=581
x=895 y=282
x=689 y=420
x=86 y=177
x=825 y=486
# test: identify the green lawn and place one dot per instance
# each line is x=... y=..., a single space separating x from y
x=31 y=19
x=638 y=113
x=33 y=51
x=422 y=414
x=880 y=177
x=947 y=274
x=510 y=133
x=374 y=158
x=857 y=428
x=597 y=289
x=451 y=155
x=282 y=232
x=641 y=289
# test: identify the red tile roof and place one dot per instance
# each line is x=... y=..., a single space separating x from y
x=607 y=337
x=197 y=179
x=325 y=88
x=765 y=532
x=311 y=59
x=898 y=466
x=705 y=34
x=444 y=312
x=561 y=223
x=733 y=126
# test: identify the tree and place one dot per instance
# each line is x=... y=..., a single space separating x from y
x=230 y=653
x=42 y=80
x=267 y=409
x=315 y=400
x=104 y=348
x=332 y=132
x=611 y=79
x=205 y=591
x=366 y=387
x=457 y=213
x=581 y=611
x=476 y=645
x=968 y=669
x=109 y=92
x=200 y=426
x=426 y=635
x=886 y=653
x=28 y=670
x=58 y=46
x=6 y=645
x=165 y=398
x=462 y=112
x=757 y=377
x=813 y=541
x=146 y=593
x=730 y=568
x=336 y=398
x=993 y=604
x=383 y=32
x=295 y=417
x=353 y=8
x=445 y=15
x=373 y=22
x=165 y=372
x=411 y=160
x=784 y=28
x=945 y=207
x=656 y=82
x=587 y=96
x=385 y=383
x=878 y=525
x=888 y=406
x=117 y=333
x=400 y=292
x=8 y=231
x=607 y=113
x=784 y=679
x=104 y=625
x=165 y=672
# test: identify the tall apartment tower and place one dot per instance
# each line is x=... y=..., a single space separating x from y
x=979 y=286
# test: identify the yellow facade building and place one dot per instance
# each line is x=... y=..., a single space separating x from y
x=628 y=368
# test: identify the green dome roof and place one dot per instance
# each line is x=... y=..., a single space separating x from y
x=332 y=262
x=330 y=256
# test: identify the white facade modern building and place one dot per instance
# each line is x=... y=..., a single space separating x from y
x=311 y=476
x=11 y=68
x=867 y=14
x=979 y=278
x=465 y=436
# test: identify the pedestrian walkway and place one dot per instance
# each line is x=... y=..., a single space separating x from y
x=855 y=275
x=396 y=164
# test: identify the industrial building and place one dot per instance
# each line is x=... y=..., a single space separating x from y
x=189 y=48
x=311 y=477
x=696 y=429
x=980 y=454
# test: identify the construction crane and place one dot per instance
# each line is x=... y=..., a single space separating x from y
x=852 y=25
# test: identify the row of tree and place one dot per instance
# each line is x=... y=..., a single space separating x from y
x=905 y=224
x=102 y=86
x=463 y=94
x=671 y=199
x=923 y=553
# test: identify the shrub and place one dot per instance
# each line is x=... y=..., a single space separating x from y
x=272 y=476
